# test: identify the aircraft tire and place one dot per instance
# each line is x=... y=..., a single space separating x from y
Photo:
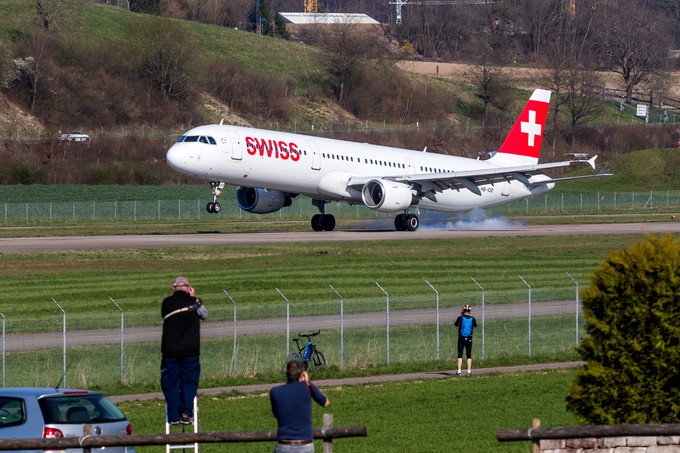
x=412 y=222
x=400 y=222
x=217 y=207
x=210 y=207
x=328 y=222
x=317 y=223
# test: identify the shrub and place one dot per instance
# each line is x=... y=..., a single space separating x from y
x=632 y=352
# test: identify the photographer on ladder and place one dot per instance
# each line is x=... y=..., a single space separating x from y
x=180 y=346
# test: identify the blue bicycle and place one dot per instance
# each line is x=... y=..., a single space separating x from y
x=309 y=355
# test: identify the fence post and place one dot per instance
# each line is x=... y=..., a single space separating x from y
x=327 y=441
x=536 y=444
x=287 y=322
x=63 y=315
x=525 y=282
x=4 y=349
x=577 y=305
x=387 y=324
x=234 y=329
x=483 y=297
x=342 y=328
x=122 y=340
x=436 y=316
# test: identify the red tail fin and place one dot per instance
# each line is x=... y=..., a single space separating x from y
x=523 y=143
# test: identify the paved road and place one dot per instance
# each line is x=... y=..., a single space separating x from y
x=365 y=380
x=41 y=244
x=23 y=342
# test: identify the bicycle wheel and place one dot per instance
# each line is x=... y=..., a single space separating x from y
x=318 y=362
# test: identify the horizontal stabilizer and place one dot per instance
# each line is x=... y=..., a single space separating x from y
x=573 y=178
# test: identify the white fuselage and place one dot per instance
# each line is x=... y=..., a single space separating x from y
x=321 y=168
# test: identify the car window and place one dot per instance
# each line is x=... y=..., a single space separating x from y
x=79 y=409
x=12 y=411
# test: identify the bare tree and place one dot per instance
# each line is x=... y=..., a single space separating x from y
x=348 y=49
x=168 y=54
x=490 y=80
x=555 y=79
x=631 y=40
x=236 y=12
x=581 y=97
x=544 y=18
x=430 y=24
x=29 y=68
x=50 y=11
x=6 y=66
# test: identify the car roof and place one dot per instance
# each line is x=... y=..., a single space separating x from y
x=38 y=392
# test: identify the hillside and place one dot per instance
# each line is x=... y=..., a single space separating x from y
x=86 y=28
x=96 y=79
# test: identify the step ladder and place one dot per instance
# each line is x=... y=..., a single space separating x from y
x=168 y=430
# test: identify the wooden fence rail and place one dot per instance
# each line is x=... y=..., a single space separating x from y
x=572 y=432
x=138 y=440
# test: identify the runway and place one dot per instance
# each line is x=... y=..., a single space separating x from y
x=46 y=244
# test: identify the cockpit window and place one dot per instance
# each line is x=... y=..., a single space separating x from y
x=197 y=138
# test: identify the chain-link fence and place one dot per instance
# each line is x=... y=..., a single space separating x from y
x=247 y=340
x=133 y=210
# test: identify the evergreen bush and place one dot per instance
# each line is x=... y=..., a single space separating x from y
x=632 y=351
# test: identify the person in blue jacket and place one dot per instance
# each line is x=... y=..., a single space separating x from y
x=292 y=407
x=465 y=324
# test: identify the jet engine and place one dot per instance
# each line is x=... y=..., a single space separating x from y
x=387 y=196
x=261 y=201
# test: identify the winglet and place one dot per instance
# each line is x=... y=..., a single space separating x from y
x=591 y=161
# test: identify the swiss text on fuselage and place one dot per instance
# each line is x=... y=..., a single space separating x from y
x=277 y=149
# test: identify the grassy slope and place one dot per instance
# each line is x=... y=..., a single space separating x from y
x=92 y=24
x=644 y=170
x=449 y=415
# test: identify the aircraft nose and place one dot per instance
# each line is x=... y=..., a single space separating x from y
x=176 y=158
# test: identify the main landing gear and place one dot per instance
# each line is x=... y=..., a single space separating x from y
x=214 y=206
x=406 y=222
x=322 y=221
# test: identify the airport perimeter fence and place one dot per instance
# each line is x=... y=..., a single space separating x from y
x=67 y=348
x=550 y=203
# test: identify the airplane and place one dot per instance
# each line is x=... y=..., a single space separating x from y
x=271 y=168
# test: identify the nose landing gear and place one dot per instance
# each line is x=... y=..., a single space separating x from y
x=214 y=206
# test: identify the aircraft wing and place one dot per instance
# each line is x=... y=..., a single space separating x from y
x=472 y=179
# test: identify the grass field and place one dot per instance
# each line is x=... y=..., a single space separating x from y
x=447 y=415
x=82 y=282
x=443 y=415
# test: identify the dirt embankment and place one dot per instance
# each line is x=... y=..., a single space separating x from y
x=524 y=77
x=15 y=123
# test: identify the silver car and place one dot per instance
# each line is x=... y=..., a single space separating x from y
x=30 y=413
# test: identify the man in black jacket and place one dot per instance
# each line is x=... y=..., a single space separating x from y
x=180 y=346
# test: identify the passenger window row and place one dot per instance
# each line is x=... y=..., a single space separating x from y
x=367 y=161
x=433 y=170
